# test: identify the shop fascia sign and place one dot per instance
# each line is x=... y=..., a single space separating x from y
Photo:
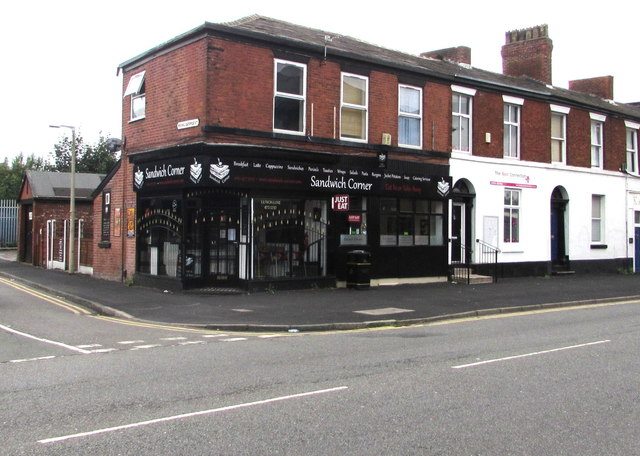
x=283 y=175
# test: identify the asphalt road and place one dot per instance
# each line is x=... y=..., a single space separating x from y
x=556 y=383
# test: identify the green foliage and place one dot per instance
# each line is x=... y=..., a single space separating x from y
x=11 y=174
x=90 y=158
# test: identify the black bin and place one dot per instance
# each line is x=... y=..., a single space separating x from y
x=358 y=269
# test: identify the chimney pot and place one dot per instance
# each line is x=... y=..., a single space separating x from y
x=527 y=52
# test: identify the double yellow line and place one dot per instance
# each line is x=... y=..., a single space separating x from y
x=45 y=297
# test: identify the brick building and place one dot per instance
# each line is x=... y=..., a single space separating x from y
x=43 y=219
x=260 y=153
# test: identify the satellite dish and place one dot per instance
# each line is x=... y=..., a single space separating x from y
x=113 y=144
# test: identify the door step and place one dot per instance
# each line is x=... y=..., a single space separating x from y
x=475 y=279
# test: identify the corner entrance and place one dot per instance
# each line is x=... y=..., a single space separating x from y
x=212 y=241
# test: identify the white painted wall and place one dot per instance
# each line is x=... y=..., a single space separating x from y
x=537 y=181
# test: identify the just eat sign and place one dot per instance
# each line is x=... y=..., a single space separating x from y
x=340 y=202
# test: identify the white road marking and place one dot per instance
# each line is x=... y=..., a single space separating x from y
x=385 y=311
x=89 y=346
x=234 y=339
x=130 y=342
x=192 y=342
x=190 y=415
x=173 y=338
x=214 y=335
x=104 y=350
x=144 y=347
x=31 y=359
x=40 y=339
x=479 y=363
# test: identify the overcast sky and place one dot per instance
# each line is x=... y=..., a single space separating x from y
x=59 y=58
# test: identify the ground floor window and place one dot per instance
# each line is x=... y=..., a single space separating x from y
x=511 y=215
x=289 y=237
x=159 y=235
x=597 y=219
x=407 y=222
x=352 y=223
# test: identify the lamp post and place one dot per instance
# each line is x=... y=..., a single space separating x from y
x=72 y=197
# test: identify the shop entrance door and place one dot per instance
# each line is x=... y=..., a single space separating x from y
x=212 y=233
x=222 y=235
x=458 y=234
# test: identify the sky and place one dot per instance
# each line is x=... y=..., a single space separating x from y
x=60 y=59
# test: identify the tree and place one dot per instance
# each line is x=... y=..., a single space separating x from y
x=90 y=158
x=11 y=174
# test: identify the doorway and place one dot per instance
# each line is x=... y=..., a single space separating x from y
x=559 y=203
x=212 y=239
x=462 y=222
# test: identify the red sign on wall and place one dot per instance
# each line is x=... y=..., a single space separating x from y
x=354 y=218
x=340 y=202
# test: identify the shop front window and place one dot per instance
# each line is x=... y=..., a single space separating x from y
x=289 y=238
x=408 y=222
x=354 y=229
x=159 y=227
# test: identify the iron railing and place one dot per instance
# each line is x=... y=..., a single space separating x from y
x=463 y=265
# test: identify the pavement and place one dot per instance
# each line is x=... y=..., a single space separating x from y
x=324 y=309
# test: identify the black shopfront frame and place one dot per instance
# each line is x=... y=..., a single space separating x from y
x=237 y=178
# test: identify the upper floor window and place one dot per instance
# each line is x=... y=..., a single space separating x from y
x=597 y=143
x=461 y=109
x=632 y=146
x=410 y=116
x=353 y=107
x=289 y=97
x=511 y=118
x=559 y=134
x=136 y=88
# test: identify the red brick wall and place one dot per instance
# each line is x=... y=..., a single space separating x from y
x=175 y=86
x=117 y=262
x=579 y=138
x=601 y=86
x=487 y=118
x=535 y=134
x=229 y=84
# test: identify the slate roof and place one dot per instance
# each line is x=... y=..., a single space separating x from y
x=292 y=36
x=55 y=185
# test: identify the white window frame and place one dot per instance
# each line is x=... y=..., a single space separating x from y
x=509 y=211
x=134 y=89
x=632 y=146
x=455 y=113
x=298 y=97
x=597 y=201
x=511 y=125
x=410 y=115
x=561 y=112
x=597 y=140
x=364 y=108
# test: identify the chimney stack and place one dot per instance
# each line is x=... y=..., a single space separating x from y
x=459 y=54
x=527 y=52
x=601 y=87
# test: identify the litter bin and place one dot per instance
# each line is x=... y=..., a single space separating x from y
x=358 y=269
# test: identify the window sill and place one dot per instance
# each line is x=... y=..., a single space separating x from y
x=137 y=119
x=599 y=246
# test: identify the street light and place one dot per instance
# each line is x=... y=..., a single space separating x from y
x=72 y=196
